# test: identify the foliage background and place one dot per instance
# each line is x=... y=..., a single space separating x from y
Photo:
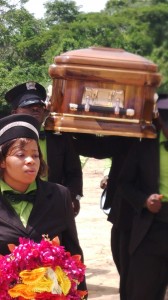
x=29 y=45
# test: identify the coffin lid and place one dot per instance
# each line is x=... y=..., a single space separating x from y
x=106 y=57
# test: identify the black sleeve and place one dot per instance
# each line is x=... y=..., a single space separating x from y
x=132 y=185
x=70 y=236
x=73 y=177
x=100 y=147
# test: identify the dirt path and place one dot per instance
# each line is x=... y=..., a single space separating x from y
x=94 y=234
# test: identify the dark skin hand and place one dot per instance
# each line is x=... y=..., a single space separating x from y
x=103 y=182
x=153 y=203
x=76 y=207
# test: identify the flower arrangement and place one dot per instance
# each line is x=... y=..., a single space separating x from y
x=40 y=271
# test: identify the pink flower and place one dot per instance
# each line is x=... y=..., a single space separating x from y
x=29 y=255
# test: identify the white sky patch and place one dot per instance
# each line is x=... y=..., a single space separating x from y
x=36 y=6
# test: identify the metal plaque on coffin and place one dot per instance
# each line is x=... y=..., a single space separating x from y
x=103 y=91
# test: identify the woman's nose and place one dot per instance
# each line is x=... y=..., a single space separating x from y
x=29 y=160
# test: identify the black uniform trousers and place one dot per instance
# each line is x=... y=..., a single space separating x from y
x=150 y=260
x=119 y=246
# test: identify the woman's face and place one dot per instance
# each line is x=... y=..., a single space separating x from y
x=21 y=165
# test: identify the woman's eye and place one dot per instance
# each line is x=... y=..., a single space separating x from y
x=19 y=154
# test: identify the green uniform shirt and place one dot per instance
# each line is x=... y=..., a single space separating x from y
x=23 y=208
x=163 y=184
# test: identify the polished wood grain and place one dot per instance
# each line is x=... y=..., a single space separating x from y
x=103 y=68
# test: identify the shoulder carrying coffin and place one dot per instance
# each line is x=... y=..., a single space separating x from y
x=103 y=91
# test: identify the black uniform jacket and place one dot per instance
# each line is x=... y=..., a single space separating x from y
x=51 y=215
x=121 y=213
x=63 y=162
x=139 y=179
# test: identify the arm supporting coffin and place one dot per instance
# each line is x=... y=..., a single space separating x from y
x=93 y=108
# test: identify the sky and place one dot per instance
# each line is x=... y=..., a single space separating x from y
x=36 y=6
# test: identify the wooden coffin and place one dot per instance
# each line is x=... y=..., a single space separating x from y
x=103 y=91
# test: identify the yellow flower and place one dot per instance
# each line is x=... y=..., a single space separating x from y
x=41 y=280
x=32 y=281
x=63 y=280
x=22 y=290
x=37 y=279
x=32 y=276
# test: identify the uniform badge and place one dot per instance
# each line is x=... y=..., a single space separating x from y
x=31 y=85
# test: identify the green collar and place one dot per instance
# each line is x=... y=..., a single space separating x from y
x=5 y=187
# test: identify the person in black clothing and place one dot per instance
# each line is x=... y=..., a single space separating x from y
x=64 y=165
x=121 y=213
x=29 y=206
x=143 y=184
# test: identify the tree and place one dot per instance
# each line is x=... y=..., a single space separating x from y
x=28 y=46
x=61 y=11
x=18 y=29
x=160 y=55
x=115 y=6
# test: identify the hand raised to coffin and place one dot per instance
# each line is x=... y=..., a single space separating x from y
x=153 y=203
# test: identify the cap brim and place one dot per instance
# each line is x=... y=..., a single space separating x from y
x=31 y=102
